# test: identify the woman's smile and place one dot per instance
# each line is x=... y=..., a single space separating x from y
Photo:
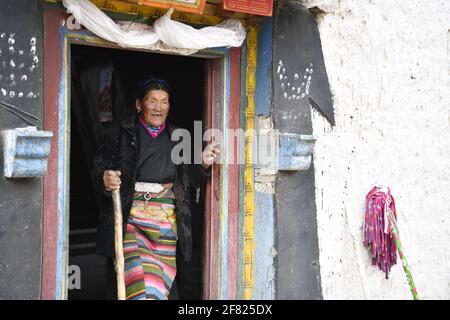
x=155 y=107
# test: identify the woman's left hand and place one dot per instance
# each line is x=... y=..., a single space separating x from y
x=210 y=154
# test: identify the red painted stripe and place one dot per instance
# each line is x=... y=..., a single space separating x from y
x=52 y=70
x=207 y=223
x=217 y=109
x=233 y=176
x=212 y=221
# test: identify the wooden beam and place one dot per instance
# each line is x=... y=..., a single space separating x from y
x=213 y=12
x=208 y=17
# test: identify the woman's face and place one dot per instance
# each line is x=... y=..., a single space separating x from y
x=154 y=107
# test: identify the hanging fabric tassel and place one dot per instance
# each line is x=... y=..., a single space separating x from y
x=381 y=233
x=377 y=231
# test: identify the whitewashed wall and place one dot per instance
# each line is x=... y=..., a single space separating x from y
x=388 y=64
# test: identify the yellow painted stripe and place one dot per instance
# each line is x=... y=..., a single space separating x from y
x=249 y=195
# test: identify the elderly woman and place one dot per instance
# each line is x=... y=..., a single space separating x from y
x=136 y=156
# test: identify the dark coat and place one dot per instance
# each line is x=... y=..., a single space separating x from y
x=119 y=152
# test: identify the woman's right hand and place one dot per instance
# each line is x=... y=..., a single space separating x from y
x=111 y=180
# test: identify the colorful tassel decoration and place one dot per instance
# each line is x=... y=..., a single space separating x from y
x=381 y=234
x=377 y=229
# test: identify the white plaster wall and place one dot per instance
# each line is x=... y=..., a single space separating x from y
x=388 y=64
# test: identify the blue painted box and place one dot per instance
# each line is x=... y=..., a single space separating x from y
x=26 y=152
x=296 y=151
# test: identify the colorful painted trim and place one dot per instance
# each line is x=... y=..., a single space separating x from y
x=249 y=196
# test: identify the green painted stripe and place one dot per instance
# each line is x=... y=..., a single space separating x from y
x=157 y=200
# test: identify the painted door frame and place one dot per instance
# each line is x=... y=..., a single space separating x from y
x=222 y=207
x=223 y=111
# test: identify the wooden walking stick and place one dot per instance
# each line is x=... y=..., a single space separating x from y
x=118 y=241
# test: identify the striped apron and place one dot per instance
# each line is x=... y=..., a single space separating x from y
x=150 y=246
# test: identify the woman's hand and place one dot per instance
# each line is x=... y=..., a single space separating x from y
x=210 y=154
x=111 y=180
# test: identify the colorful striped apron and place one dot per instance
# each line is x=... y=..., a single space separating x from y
x=150 y=248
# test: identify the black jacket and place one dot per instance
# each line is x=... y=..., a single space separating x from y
x=119 y=152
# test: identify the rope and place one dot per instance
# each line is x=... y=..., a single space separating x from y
x=19 y=113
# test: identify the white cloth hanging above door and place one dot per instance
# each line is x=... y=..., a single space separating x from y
x=229 y=33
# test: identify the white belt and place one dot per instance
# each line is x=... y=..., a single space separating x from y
x=148 y=187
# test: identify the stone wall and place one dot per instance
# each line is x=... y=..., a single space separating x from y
x=388 y=64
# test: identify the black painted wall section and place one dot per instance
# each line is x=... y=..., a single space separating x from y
x=21 y=205
x=300 y=50
x=296 y=43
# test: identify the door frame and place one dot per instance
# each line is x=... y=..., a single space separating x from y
x=221 y=208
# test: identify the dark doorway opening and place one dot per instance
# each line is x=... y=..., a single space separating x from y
x=102 y=94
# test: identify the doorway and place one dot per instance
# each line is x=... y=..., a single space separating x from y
x=103 y=81
x=222 y=95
